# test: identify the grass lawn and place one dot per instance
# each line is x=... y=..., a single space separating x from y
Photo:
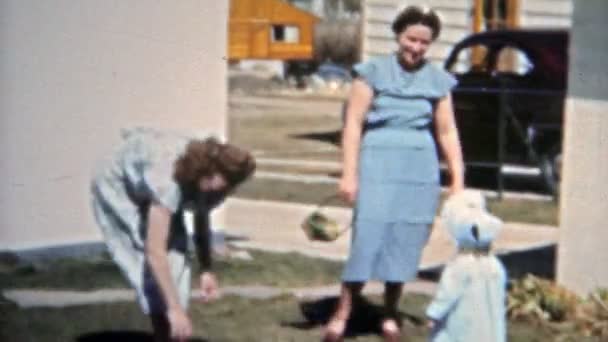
x=279 y=132
x=229 y=319
x=510 y=210
x=283 y=318
x=286 y=270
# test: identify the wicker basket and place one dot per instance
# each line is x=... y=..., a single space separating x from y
x=319 y=227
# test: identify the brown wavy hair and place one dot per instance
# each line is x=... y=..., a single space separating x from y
x=207 y=157
x=413 y=15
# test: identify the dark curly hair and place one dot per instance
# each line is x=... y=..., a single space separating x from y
x=207 y=157
x=413 y=15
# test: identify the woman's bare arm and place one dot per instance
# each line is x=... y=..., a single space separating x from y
x=159 y=219
x=449 y=141
x=359 y=102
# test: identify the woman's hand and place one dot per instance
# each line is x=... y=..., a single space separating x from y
x=347 y=189
x=179 y=323
x=209 y=287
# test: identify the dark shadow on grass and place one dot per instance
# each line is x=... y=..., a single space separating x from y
x=538 y=261
x=331 y=137
x=122 y=336
x=235 y=238
x=365 y=319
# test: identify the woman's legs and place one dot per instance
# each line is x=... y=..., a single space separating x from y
x=349 y=294
x=390 y=322
x=392 y=294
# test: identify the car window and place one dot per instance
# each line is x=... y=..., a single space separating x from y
x=513 y=60
x=471 y=59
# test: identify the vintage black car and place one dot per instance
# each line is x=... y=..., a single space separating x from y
x=509 y=101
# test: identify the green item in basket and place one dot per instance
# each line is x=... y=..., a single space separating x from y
x=319 y=227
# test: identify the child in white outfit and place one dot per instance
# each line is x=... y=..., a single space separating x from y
x=470 y=302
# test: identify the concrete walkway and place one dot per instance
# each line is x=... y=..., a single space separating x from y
x=275 y=226
x=27 y=298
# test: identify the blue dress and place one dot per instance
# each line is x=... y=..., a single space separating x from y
x=398 y=171
x=470 y=302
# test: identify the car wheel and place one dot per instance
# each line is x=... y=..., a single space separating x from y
x=551 y=168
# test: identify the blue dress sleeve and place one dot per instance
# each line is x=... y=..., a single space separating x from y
x=445 y=83
x=366 y=71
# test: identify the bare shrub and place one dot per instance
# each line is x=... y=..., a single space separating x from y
x=338 y=41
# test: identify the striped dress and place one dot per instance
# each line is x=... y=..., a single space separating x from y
x=139 y=173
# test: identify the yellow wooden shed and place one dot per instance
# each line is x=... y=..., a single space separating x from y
x=269 y=29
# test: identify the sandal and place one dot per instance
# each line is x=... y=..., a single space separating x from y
x=391 y=330
x=334 y=330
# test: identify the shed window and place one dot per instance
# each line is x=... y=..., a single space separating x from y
x=285 y=33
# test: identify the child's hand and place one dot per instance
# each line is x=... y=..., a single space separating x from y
x=430 y=323
x=209 y=287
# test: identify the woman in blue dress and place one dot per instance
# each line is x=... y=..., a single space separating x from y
x=390 y=165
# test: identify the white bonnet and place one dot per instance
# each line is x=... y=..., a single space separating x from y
x=467 y=220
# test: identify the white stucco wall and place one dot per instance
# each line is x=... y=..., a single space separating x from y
x=72 y=73
x=582 y=253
